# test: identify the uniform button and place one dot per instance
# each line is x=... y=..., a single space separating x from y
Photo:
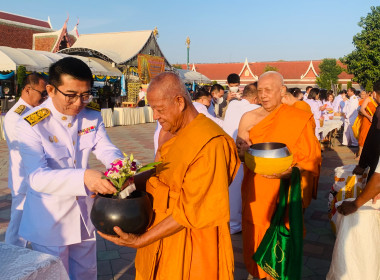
x=73 y=142
x=69 y=125
x=75 y=162
x=64 y=118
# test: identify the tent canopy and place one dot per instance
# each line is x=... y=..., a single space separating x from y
x=189 y=76
x=39 y=61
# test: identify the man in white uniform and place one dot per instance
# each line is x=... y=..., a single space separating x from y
x=351 y=114
x=56 y=139
x=235 y=110
x=217 y=92
x=202 y=100
x=32 y=95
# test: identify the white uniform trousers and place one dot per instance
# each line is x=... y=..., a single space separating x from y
x=79 y=259
x=348 y=135
x=12 y=236
x=235 y=201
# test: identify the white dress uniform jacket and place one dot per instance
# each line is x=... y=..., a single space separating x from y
x=351 y=112
x=17 y=180
x=203 y=109
x=55 y=149
x=235 y=110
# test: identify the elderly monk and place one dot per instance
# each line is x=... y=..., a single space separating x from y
x=274 y=122
x=189 y=238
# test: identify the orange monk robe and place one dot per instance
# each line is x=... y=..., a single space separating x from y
x=302 y=105
x=295 y=128
x=366 y=124
x=191 y=184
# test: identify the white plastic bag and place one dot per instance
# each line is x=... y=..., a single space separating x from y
x=346 y=185
x=356 y=252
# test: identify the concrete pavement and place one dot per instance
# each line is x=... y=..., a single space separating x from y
x=116 y=262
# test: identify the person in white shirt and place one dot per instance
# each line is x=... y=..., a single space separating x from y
x=312 y=100
x=235 y=110
x=217 y=93
x=202 y=100
x=306 y=95
x=351 y=112
x=55 y=142
x=329 y=102
x=141 y=101
x=33 y=94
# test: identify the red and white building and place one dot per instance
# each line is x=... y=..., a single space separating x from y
x=296 y=73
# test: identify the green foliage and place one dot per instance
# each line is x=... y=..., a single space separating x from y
x=364 y=61
x=349 y=84
x=270 y=68
x=369 y=86
x=20 y=74
x=329 y=72
x=177 y=66
x=214 y=82
x=339 y=87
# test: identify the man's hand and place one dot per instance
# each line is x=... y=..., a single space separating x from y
x=284 y=175
x=347 y=208
x=242 y=146
x=123 y=239
x=358 y=170
x=94 y=182
x=375 y=198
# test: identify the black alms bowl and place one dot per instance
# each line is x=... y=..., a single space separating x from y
x=132 y=214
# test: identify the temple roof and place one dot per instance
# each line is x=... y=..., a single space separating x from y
x=39 y=61
x=25 y=20
x=118 y=47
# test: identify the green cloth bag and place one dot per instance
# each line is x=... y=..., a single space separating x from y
x=280 y=252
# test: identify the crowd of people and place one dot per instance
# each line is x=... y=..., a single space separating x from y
x=202 y=192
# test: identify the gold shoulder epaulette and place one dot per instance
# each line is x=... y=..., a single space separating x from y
x=37 y=116
x=93 y=106
x=20 y=109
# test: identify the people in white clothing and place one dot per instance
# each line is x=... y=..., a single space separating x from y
x=55 y=142
x=217 y=93
x=235 y=110
x=306 y=95
x=351 y=112
x=141 y=101
x=329 y=106
x=312 y=100
x=202 y=101
x=33 y=94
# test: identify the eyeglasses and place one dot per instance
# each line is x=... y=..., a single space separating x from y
x=43 y=93
x=72 y=98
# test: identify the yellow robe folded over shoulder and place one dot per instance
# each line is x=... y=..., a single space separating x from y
x=191 y=184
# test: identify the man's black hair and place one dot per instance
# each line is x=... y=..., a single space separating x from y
x=216 y=87
x=233 y=79
x=72 y=66
x=33 y=79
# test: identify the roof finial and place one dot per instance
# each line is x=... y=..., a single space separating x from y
x=155 y=32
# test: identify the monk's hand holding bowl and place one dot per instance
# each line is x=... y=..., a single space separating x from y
x=347 y=208
x=284 y=175
x=123 y=238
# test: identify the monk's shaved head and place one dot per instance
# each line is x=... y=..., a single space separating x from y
x=271 y=89
x=277 y=77
x=170 y=102
x=168 y=85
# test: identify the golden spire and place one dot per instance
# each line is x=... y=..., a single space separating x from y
x=155 y=32
x=188 y=42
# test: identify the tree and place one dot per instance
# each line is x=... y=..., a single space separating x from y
x=21 y=74
x=349 y=84
x=177 y=66
x=329 y=72
x=270 y=68
x=364 y=61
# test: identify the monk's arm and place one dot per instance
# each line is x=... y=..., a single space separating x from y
x=371 y=190
x=165 y=228
x=363 y=111
x=242 y=140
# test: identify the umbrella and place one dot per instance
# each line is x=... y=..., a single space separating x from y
x=188 y=76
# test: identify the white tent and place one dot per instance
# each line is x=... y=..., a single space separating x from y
x=39 y=61
x=188 y=76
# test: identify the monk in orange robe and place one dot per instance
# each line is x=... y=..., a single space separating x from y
x=274 y=122
x=290 y=100
x=190 y=237
x=367 y=109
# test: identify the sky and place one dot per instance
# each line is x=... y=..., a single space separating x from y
x=219 y=31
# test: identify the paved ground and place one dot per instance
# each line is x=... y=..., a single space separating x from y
x=116 y=262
